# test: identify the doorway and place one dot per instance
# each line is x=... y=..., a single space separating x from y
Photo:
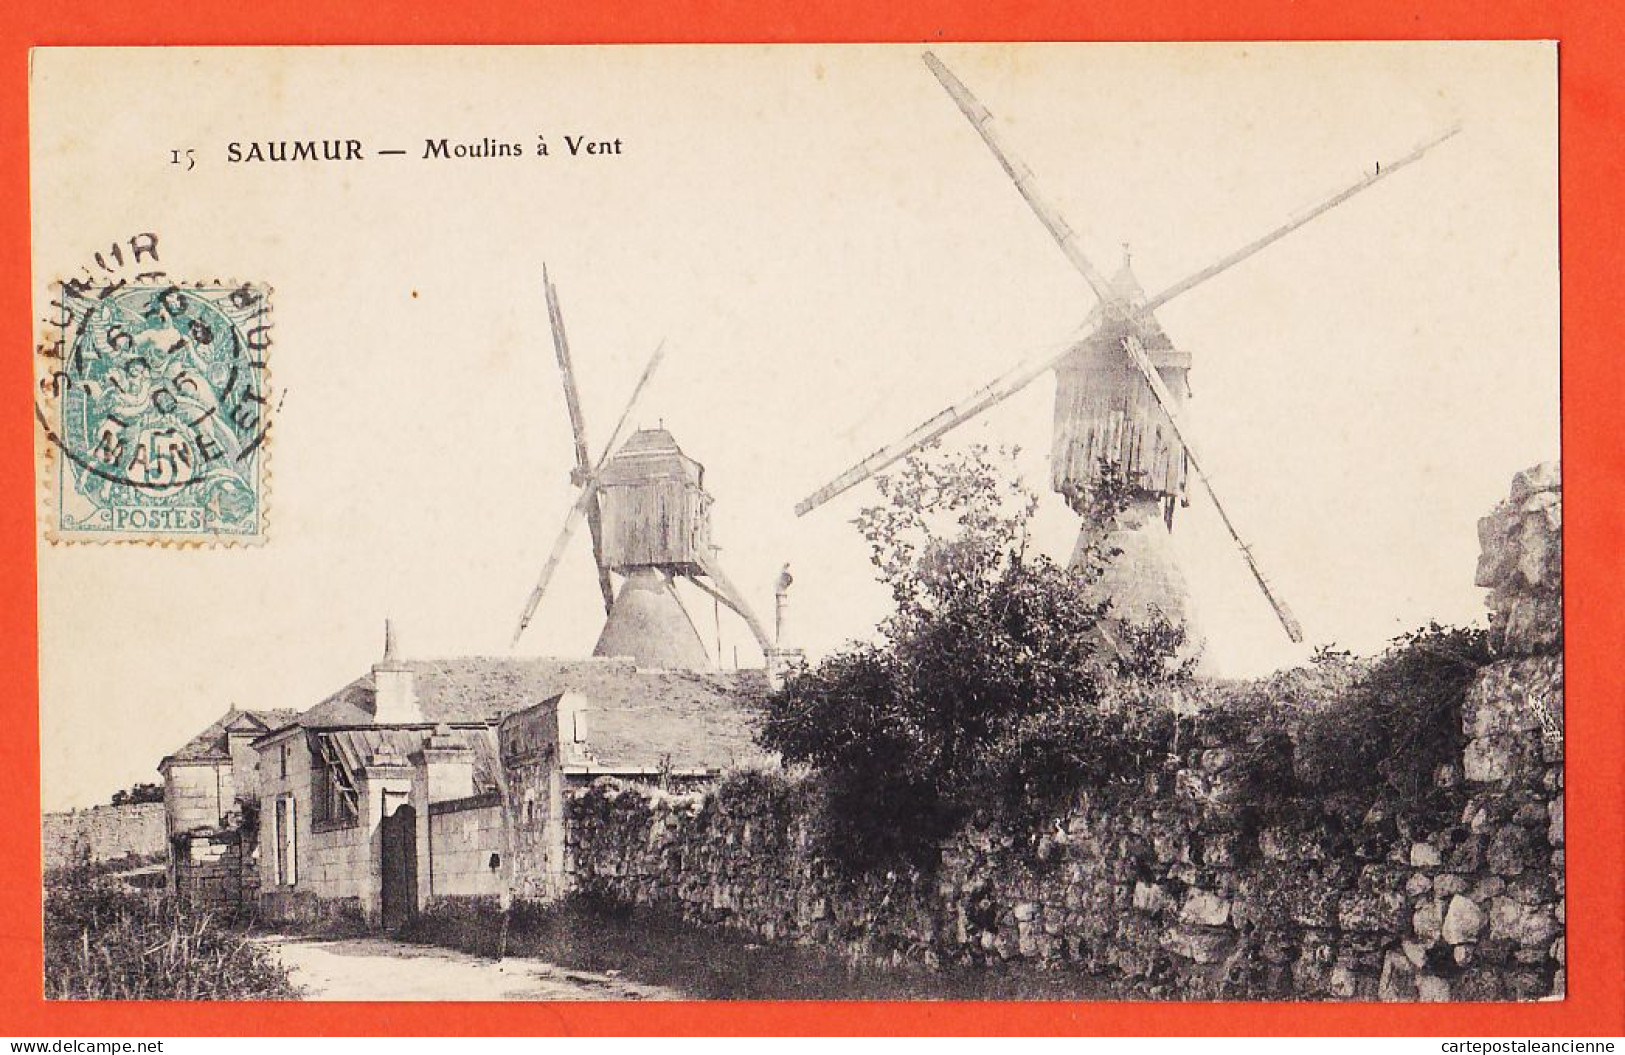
x=400 y=867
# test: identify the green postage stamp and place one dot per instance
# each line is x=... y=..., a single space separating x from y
x=156 y=409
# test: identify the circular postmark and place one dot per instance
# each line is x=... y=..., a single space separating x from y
x=158 y=401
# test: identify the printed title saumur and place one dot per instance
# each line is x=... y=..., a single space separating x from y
x=279 y=150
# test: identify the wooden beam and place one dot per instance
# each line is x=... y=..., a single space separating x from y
x=1136 y=353
x=589 y=496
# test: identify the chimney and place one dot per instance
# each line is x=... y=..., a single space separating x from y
x=448 y=763
x=394 y=694
x=781 y=658
x=574 y=745
x=781 y=605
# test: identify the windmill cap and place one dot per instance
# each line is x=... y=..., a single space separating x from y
x=652 y=453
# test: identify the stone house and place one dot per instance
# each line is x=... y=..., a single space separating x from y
x=214 y=775
x=424 y=780
x=211 y=808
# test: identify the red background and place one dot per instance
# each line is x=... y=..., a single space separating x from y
x=1592 y=103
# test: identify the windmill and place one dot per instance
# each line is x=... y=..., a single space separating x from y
x=648 y=516
x=1120 y=390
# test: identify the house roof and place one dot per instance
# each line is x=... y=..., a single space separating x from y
x=639 y=718
x=214 y=743
x=677 y=735
x=355 y=748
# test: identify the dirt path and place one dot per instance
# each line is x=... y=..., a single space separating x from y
x=379 y=969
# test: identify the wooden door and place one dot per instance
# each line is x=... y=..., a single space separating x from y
x=400 y=867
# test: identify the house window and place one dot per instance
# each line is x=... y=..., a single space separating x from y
x=333 y=799
x=283 y=753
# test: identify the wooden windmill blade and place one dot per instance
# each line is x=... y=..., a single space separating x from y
x=572 y=520
x=578 y=430
x=1165 y=399
x=729 y=595
x=1382 y=171
x=989 y=395
x=1026 y=183
x=588 y=497
x=1024 y=374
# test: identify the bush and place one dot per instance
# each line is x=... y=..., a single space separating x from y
x=993 y=686
x=1040 y=762
x=1344 y=726
x=988 y=677
x=103 y=942
x=1399 y=720
x=1153 y=650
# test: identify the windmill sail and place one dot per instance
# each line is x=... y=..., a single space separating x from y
x=1026 y=183
x=578 y=430
x=589 y=496
x=726 y=592
x=1165 y=399
x=1112 y=307
x=989 y=395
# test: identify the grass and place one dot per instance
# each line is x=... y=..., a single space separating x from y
x=656 y=948
x=104 y=941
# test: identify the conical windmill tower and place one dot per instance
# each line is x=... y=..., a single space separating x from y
x=1119 y=395
x=649 y=518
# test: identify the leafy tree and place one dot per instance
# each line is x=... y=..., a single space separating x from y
x=991 y=652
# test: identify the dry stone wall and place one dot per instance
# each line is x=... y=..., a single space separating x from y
x=1179 y=884
x=1521 y=563
x=210 y=873
x=102 y=833
x=1184 y=883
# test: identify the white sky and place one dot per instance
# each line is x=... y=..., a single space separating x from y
x=832 y=256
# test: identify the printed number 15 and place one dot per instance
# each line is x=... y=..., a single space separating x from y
x=191 y=158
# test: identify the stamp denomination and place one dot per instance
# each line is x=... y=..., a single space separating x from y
x=157 y=408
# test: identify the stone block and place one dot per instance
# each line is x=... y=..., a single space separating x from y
x=1398 y=979
x=1508 y=698
x=1152 y=898
x=1488 y=759
x=1432 y=989
x=1463 y=921
x=1205 y=908
x=1511 y=850
x=1200 y=944
x=1425 y=855
x=1428 y=921
x=1526 y=925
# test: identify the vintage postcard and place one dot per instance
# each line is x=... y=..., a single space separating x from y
x=800 y=522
